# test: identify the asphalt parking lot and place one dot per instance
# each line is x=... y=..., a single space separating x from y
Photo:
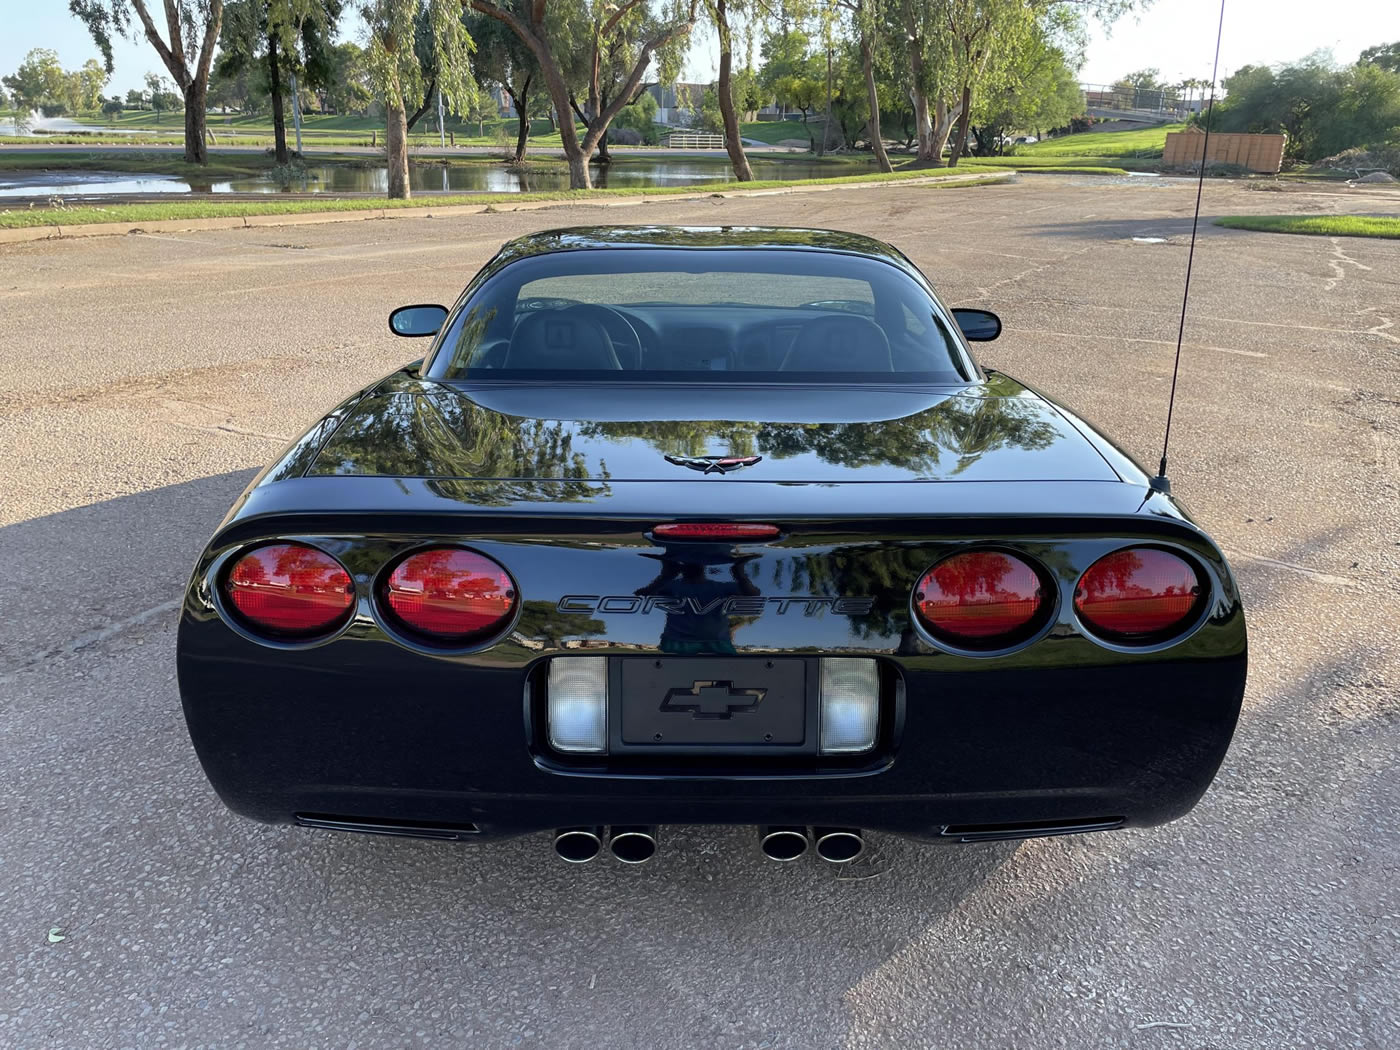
x=146 y=378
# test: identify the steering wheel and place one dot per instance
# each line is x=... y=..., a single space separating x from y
x=614 y=321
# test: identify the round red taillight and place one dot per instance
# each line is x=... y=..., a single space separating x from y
x=450 y=594
x=1138 y=595
x=981 y=600
x=290 y=590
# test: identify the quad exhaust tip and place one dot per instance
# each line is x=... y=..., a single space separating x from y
x=839 y=845
x=633 y=844
x=783 y=843
x=578 y=845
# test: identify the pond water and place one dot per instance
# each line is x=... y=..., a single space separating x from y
x=639 y=173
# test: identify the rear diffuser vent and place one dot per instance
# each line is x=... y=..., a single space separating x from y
x=408 y=828
x=1034 y=829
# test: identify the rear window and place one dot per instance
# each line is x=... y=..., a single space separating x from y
x=677 y=315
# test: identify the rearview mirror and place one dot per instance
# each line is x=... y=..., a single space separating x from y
x=423 y=319
x=980 y=326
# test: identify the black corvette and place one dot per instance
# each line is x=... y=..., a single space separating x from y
x=707 y=526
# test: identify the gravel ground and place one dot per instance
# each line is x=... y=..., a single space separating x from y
x=145 y=378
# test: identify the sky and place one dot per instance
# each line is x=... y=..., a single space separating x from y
x=1174 y=36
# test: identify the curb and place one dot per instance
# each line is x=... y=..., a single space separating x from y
x=234 y=222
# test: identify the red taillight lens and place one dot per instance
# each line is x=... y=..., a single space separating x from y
x=450 y=594
x=290 y=590
x=700 y=530
x=981 y=600
x=1138 y=595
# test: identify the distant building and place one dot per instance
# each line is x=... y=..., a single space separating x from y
x=676 y=104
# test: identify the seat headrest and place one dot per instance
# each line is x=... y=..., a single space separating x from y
x=840 y=343
x=560 y=340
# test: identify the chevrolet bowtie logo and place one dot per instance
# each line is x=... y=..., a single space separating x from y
x=714 y=464
x=713 y=699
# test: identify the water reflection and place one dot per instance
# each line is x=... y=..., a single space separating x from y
x=484 y=177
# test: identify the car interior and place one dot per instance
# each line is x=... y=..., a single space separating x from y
x=827 y=336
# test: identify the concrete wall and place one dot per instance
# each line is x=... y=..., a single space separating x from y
x=1255 y=152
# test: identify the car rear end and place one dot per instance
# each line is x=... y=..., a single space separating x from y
x=933 y=663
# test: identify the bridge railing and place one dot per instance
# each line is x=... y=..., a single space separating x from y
x=694 y=140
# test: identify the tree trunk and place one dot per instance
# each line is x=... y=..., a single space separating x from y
x=579 y=178
x=521 y=102
x=963 y=119
x=396 y=139
x=733 y=143
x=604 y=154
x=923 y=128
x=417 y=114
x=876 y=141
x=826 y=131
x=944 y=118
x=279 y=118
x=196 y=152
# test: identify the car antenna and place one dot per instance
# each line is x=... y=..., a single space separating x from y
x=1160 y=482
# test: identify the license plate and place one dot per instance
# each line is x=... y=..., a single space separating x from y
x=685 y=703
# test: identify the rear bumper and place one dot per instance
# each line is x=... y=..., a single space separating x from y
x=374 y=733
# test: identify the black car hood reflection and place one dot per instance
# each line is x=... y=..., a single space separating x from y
x=995 y=430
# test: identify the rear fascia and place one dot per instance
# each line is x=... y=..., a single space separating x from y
x=365 y=727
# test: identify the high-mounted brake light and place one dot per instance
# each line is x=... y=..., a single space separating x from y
x=1139 y=595
x=449 y=594
x=289 y=590
x=981 y=600
x=702 y=530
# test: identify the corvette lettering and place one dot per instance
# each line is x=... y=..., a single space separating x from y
x=731 y=606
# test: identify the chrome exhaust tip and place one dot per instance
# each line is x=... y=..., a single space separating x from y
x=578 y=845
x=633 y=844
x=839 y=845
x=783 y=843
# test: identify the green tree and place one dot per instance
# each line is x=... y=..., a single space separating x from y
x=728 y=18
x=39 y=80
x=1387 y=56
x=162 y=98
x=397 y=71
x=1044 y=94
x=865 y=17
x=792 y=74
x=555 y=30
x=347 y=85
x=192 y=29
x=602 y=73
x=640 y=117
x=1321 y=108
x=112 y=108
x=503 y=60
x=283 y=40
x=91 y=79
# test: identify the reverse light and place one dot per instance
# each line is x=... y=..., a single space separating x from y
x=850 y=705
x=449 y=595
x=981 y=600
x=290 y=590
x=1138 y=596
x=578 y=703
x=701 y=530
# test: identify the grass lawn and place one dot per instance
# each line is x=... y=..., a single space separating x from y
x=1317 y=225
x=205 y=207
x=1148 y=142
x=775 y=131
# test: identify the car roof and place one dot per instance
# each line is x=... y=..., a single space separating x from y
x=730 y=238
